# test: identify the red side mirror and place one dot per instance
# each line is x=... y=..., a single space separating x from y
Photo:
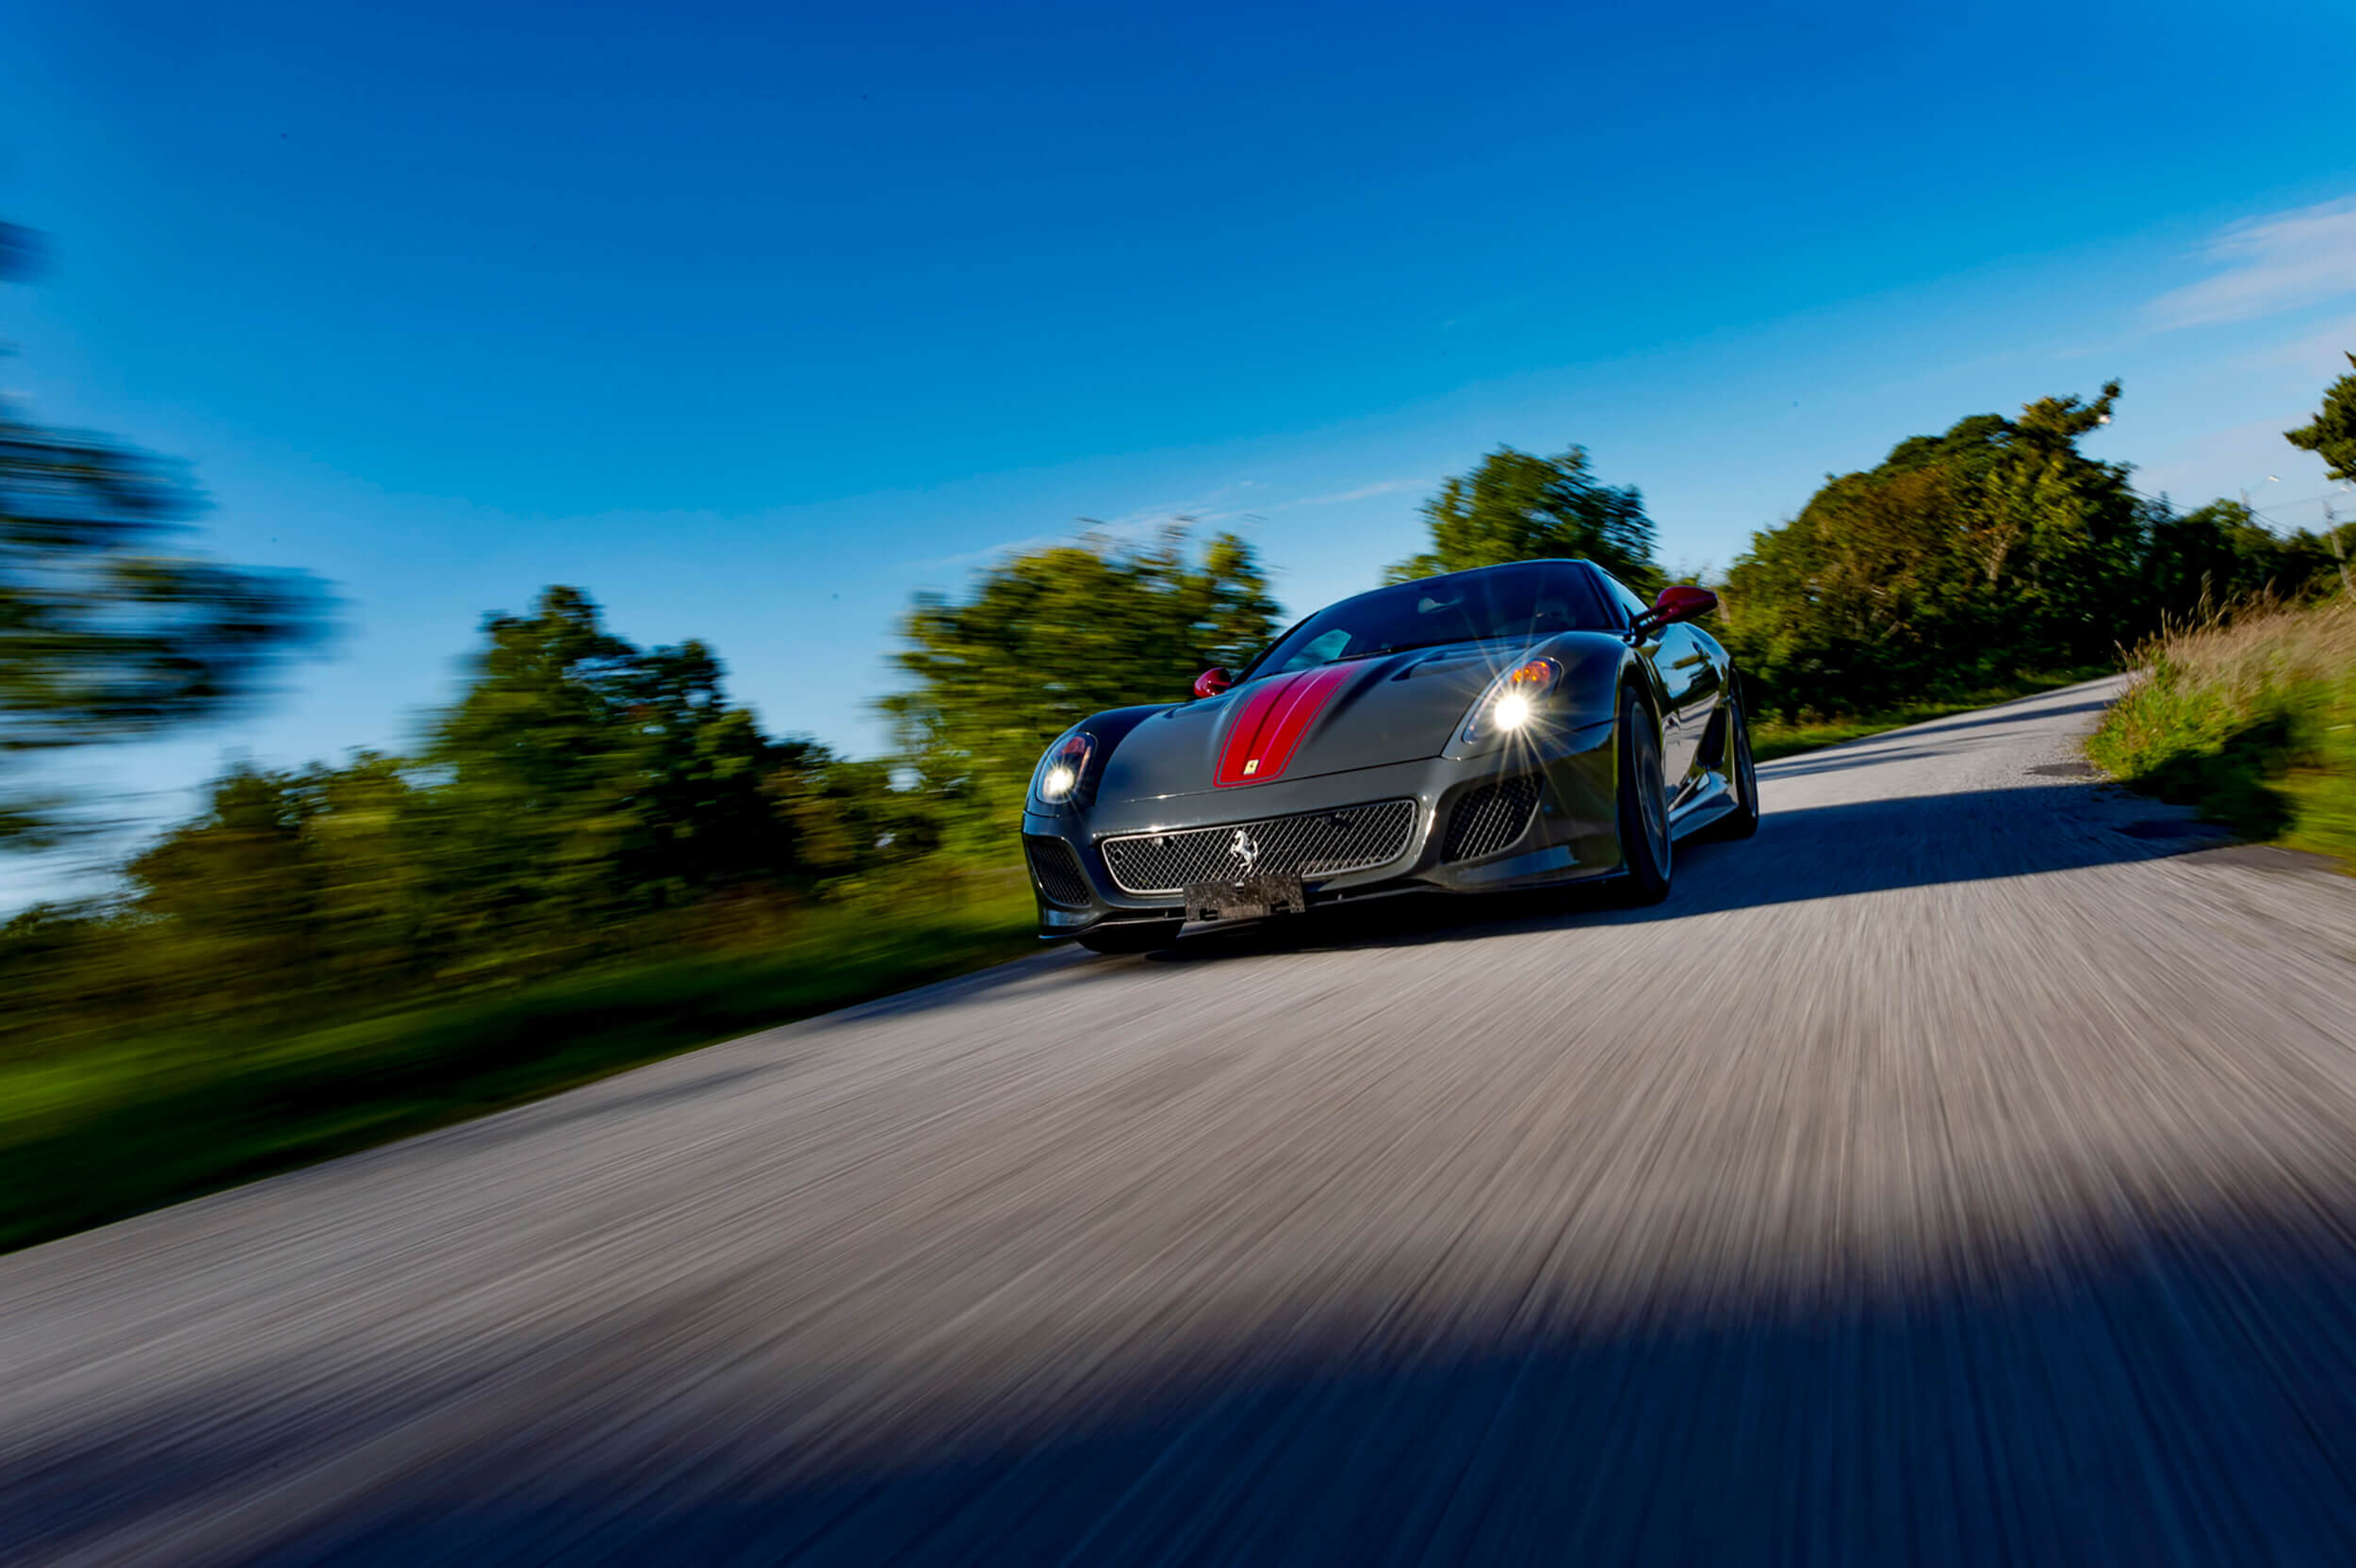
x=1679 y=601
x=1211 y=682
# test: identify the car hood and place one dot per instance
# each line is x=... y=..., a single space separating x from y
x=1333 y=718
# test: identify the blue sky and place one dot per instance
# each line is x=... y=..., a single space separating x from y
x=752 y=320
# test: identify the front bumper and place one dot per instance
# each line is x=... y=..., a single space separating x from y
x=1570 y=833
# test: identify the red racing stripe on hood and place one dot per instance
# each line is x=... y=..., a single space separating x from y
x=1269 y=730
x=1243 y=736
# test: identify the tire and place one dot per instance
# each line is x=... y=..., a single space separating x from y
x=1643 y=833
x=1742 y=772
x=1131 y=936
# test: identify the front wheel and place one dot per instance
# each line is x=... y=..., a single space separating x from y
x=1643 y=805
x=1131 y=936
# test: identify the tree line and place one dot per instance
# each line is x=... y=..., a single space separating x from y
x=1996 y=549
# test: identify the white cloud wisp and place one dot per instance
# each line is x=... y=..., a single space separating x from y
x=2269 y=265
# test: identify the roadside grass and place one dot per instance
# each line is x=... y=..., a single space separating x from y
x=2253 y=719
x=1771 y=739
x=115 y=1128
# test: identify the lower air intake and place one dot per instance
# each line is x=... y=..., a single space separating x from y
x=1490 y=818
x=1308 y=844
x=1057 y=871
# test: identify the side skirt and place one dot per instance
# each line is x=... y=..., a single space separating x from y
x=1704 y=805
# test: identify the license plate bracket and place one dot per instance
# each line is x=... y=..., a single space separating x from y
x=1253 y=898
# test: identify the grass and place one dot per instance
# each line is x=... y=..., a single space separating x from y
x=1770 y=740
x=2251 y=718
x=124 y=1126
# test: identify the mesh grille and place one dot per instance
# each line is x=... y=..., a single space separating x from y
x=1491 y=818
x=1057 y=871
x=1305 y=845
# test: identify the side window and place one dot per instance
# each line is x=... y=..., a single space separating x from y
x=1629 y=604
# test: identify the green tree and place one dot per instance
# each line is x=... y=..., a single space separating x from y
x=2331 y=434
x=2205 y=559
x=1958 y=560
x=533 y=772
x=378 y=872
x=1050 y=636
x=847 y=817
x=297 y=885
x=580 y=777
x=108 y=630
x=700 y=816
x=581 y=789
x=240 y=885
x=1842 y=605
x=2080 y=539
x=1517 y=506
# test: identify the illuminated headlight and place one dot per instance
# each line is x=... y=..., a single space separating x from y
x=1063 y=767
x=1513 y=699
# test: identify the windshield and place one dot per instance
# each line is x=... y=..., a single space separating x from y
x=1531 y=600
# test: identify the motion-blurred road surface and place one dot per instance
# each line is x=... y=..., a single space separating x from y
x=1964 y=1168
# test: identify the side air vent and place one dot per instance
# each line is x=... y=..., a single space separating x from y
x=1491 y=818
x=1057 y=871
x=1713 y=750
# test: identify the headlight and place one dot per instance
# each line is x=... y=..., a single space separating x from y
x=1513 y=699
x=1060 y=771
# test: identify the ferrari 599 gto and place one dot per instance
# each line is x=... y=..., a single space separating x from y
x=1509 y=727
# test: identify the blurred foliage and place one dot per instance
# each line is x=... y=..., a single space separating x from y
x=1517 y=506
x=179 y=1106
x=1049 y=637
x=1967 y=558
x=106 y=634
x=2331 y=434
x=582 y=801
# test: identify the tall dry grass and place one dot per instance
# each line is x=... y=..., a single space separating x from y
x=2251 y=716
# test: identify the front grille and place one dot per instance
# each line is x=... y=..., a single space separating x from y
x=1490 y=818
x=1308 y=845
x=1057 y=871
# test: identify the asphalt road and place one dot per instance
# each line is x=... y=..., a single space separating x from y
x=1962 y=1169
